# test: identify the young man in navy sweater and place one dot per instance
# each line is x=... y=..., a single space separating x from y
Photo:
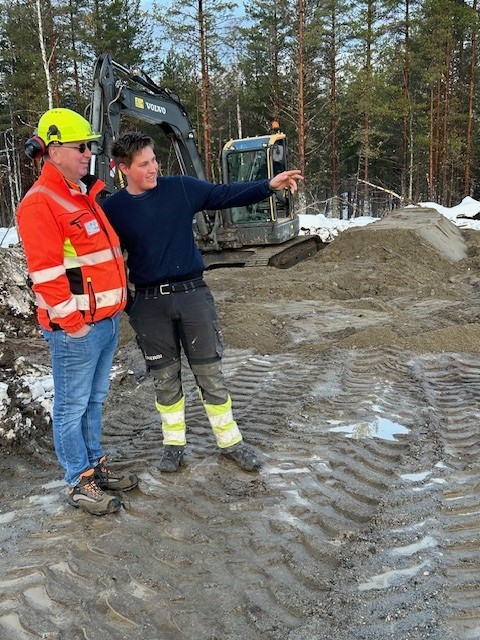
x=173 y=307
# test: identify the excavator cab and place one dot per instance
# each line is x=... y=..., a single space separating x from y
x=261 y=157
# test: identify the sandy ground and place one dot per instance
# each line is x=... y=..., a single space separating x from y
x=356 y=374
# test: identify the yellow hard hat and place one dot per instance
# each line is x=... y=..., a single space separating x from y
x=64 y=125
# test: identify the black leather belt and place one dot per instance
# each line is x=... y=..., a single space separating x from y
x=166 y=288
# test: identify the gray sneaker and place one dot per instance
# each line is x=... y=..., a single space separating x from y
x=88 y=496
x=244 y=455
x=172 y=458
x=110 y=480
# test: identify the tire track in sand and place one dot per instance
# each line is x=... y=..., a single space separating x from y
x=361 y=507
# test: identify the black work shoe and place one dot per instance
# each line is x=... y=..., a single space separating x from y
x=244 y=455
x=172 y=458
x=88 y=496
x=107 y=479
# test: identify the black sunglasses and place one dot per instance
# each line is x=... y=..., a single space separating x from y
x=80 y=147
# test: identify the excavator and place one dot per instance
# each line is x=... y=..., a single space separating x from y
x=266 y=233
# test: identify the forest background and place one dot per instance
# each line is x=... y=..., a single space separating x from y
x=379 y=98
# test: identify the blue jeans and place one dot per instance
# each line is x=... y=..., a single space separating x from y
x=81 y=378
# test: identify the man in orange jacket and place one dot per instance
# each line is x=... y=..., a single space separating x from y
x=77 y=270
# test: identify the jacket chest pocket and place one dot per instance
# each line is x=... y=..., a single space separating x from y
x=83 y=222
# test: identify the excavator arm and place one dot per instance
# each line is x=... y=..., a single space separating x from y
x=113 y=97
x=263 y=234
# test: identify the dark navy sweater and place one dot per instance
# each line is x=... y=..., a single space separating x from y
x=155 y=227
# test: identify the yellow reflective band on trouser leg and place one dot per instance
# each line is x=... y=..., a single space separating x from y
x=173 y=422
x=223 y=425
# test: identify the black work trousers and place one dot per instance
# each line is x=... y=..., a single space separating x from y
x=165 y=324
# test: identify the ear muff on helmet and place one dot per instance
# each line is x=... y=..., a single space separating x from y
x=35 y=147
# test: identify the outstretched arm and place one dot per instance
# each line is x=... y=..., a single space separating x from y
x=286 y=180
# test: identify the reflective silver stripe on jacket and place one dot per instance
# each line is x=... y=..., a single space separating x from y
x=45 y=275
x=81 y=302
x=72 y=262
x=108 y=298
x=66 y=204
x=60 y=310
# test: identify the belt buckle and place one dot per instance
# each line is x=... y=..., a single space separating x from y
x=164 y=292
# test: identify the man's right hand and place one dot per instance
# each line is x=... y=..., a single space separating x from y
x=286 y=180
x=81 y=332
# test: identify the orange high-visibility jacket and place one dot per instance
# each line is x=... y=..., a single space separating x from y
x=73 y=254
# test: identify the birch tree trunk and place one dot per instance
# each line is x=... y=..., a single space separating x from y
x=471 y=106
x=301 y=97
x=45 y=60
x=332 y=70
x=205 y=92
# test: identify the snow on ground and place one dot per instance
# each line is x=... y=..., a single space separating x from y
x=328 y=228
x=8 y=237
x=38 y=381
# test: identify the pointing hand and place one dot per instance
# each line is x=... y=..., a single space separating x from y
x=286 y=180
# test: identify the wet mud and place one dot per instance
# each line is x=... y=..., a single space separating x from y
x=356 y=375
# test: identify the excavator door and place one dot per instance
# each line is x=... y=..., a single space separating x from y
x=272 y=220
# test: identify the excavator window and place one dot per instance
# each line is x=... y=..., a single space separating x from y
x=247 y=166
x=278 y=157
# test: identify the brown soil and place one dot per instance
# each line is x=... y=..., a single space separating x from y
x=356 y=375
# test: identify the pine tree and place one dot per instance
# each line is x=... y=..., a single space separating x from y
x=120 y=28
x=200 y=30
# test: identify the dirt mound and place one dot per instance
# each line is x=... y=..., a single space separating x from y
x=370 y=286
x=439 y=232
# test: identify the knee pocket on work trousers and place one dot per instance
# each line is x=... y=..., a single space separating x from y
x=168 y=383
x=210 y=381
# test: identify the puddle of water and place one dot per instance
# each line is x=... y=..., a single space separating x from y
x=51 y=503
x=393 y=577
x=413 y=527
x=11 y=623
x=415 y=477
x=63 y=567
x=7 y=517
x=19 y=582
x=43 y=501
x=140 y=591
x=429 y=485
x=38 y=597
x=297 y=498
x=294 y=521
x=54 y=484
x=382 y=428
x=149 y=479
x=281 y=470
x=428 y=542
